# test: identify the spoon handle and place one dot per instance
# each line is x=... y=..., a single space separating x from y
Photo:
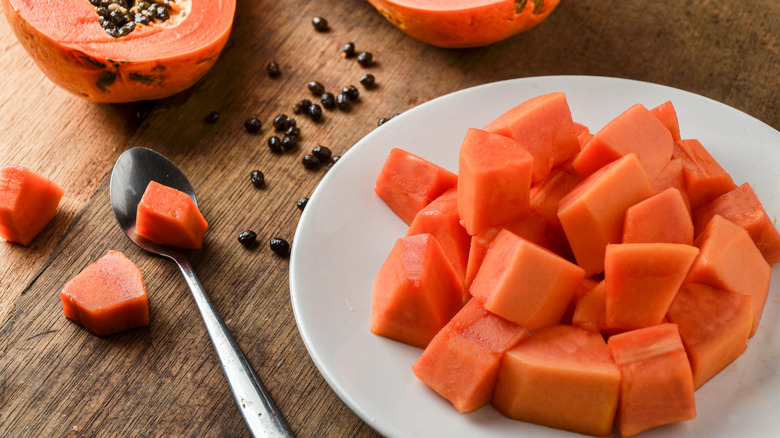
x=260 y=412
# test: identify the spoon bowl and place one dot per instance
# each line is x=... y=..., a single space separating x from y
x=133 y=171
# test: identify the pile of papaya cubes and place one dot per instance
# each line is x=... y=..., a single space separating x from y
x=582 y=281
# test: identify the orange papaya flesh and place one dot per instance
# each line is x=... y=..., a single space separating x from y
x=152 y=62
x=28 y=202
x=590 y=311
x=494 y=180
x=547 y=193
x=672 y=176
x=661 y=218
x=635 y=131
x=728 y=259
x=705 y=180
x=441 y=219
x=642 y=280
x=583 y=289
x=714 y=326
x=742 y=206
x=170 y=217
x=656 y=385
x=543 y=126
x=416 y=292
x=666 y=114
x=561 y=377
x=461 y=362
x=407 y=183
x=592 y=214
x=502 y=283
x=107 y=297
x=463 y=23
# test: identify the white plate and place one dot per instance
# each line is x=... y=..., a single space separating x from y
x=346 y=232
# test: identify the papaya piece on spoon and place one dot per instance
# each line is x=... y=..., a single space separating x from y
x=170 y=217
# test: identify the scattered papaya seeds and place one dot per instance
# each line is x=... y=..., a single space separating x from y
x=301 y=204
x=273 y=69
x=247 y=238
x=121 y=17
x=320 y=24
x=280 y=246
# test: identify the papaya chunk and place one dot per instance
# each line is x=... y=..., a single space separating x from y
x=107 y=297
x=407 y=183
x=28 y=202
x=170 y=217
x=714 y=326
x=635 y=131
x=666 y=114
x=502 y=284
x=642 y=280
x=590 y=311
x=672 y=176
x=543 y=126
x=741 y=206
x=494 y=180
x=560 y=377
x=728 y=259
x=441 y=219
x=547 y=193
x=592 y=214
x=461 y=362
x=656 y=386
x=705 y=180
x=416 y=292
x=661 y=218
x=584 y=288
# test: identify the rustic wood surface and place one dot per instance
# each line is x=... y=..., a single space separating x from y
x=58 y=380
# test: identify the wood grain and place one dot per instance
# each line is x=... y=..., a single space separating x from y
x=58 y=380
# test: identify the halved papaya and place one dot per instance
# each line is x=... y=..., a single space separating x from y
x=122 y=59
x=464 y=23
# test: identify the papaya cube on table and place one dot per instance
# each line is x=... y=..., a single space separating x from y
x=407 y=183
x=741 y=206
x=543 y=126
x=592 y=214
x=666 y=114
x=494 y=180
x=107 y=297
x=461 y=362
x=416 y=292
x=728 y=259
x=170 y=217
x=634 y=131
x=525 y=283
x=705 y=179
x=642 y=280
x=28 y=202
x=441 y=219
x=656 y=386
x=661 y=218
x=714 y=326
x=561 y=377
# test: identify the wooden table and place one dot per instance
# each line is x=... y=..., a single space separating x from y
x=58 y=380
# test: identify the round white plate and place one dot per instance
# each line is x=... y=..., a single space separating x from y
x=346 y=232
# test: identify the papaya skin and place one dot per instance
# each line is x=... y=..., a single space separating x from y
x=464 y=23
x=152 y=62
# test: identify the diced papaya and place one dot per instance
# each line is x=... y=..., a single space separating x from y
x=441 y=219
x=543 y=126
x=741 y=206
x=661 y=218
x=107 y=297
x=560 y=377
x=547 y=193
x=28 y=202
x=714 y=326
x=672 y=176
x=525 y=283
x=494 y=180
x=580 y=129
x=584 y=288
x=592 y=213
x=667 y=115
x=656 y=385
x=407 y=183
x=728 y=259
x=170 y=217
x=461 y=362
x=705 y=180
x=642 y=280
x=416 y=292
x=635 y=131
x=590 y=312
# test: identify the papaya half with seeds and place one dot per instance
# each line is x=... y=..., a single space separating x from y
x=464 y=23
x=117 y=50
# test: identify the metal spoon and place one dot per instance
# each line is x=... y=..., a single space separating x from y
x=132 y=173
